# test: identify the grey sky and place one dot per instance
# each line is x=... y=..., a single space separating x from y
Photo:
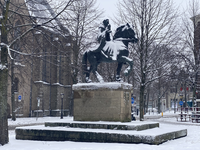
x=109 y=6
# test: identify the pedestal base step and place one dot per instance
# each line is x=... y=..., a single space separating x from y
x=136 y=125
x=152 y=136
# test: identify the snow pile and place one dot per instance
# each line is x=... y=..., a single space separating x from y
x=19 y=64
x=105 y=85
x=32 y=120
x=43 y=82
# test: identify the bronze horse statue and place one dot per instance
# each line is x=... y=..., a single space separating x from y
x=112 y=51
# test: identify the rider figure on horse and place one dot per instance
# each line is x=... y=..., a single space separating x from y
x=103 y=36
x=104 y=31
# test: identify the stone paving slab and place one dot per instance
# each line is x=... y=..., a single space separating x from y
x=151 y=136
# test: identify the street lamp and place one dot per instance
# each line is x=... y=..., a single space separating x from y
x=61 y=115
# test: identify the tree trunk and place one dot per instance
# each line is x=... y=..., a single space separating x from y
x=31 y=89
x=147 y=106
x=3 y=107
x=4 y=78
x=142 y=88
x=3 y=98
x=159 y=103
x=12 y=91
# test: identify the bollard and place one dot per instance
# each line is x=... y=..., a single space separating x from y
x=162 y=114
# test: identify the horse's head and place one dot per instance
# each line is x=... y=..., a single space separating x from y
x=125 y=32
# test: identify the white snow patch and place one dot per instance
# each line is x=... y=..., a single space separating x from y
x=19 y=64
x=113 y=47
x=129 y=59
x=2 y=67
x=58 y=84
x=107 y=85
x=42 y=82
x=99 y=77
x=127 y=70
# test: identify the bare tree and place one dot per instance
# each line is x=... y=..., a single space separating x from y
x=190 y=42
x=9 y=10
x=154 y=23
x=82 y=21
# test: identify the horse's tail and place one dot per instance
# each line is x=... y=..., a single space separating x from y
x=84 y=63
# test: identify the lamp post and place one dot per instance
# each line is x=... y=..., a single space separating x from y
x=61 y=115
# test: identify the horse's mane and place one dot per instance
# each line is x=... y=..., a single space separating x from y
x=120 y=28
x=118 y=31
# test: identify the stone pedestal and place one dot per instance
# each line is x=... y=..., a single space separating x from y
x=102 y=102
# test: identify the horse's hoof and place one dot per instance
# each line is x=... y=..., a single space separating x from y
x=118 y=79
x=101 y=81
x=87 y=80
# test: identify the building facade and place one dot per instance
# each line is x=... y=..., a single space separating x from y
x=39 y=73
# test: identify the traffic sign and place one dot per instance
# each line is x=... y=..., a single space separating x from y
x=132 y=100
x=181 y=103
x=19 y=97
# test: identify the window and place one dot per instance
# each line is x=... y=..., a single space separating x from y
x=17 y=33
x=16 y=82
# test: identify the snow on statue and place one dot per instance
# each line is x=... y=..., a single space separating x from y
x=115 y=50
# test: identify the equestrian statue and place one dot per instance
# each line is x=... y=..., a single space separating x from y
x=108 y=50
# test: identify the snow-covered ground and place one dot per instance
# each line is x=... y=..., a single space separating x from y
x=27 y=121
x=190 y=142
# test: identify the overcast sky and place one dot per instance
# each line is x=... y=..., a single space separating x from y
x=109 y=6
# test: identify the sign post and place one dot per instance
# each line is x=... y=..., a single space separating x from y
x=61 y=115
x=181 y=103
x=38 y=105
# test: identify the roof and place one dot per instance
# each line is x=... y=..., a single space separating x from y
x=43 y=12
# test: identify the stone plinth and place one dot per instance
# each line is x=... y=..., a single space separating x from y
x=102 y=102
x=154 y=136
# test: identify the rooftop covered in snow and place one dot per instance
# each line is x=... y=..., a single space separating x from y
x=41 y=11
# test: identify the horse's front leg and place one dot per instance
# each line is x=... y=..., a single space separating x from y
x=87 y=77
x=98 y=76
